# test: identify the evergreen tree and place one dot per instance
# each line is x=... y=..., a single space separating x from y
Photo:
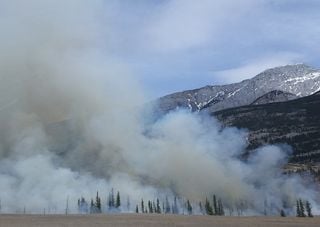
x=92 y=208
x=154 y=207
x=118 y=201
x=163 y=209
x=302 y=211
x=112 y=198
x=109 y=201
x=308 y=209
x=82 y=205
x=282 y=213
x=150 y=207
x=98 y=203
x=158 y=208
x=142 y=206
x=189 y=207
x=298 y=210
x=215 y=206
x=220 y=208
x=137 y=209
x=208 y=207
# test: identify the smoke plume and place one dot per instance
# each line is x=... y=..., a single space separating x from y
x=72 y=123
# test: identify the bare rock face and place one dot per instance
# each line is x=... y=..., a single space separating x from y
x=300 y=80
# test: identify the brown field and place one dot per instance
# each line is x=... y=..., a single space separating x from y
x=125 y=220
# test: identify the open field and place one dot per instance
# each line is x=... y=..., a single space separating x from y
x=124 y=220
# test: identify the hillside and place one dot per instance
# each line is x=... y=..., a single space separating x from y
x=295 y=122
x=274 y=96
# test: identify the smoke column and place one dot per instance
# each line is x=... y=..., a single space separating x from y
x=71 y=123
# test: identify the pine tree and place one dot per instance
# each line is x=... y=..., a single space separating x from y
x=163 y=208
x=109 y=201
x=98 y=203
x=118 y=201
x=220 y=208
x=112 y=198
x=302 y=211
x=92 y=208
x=308 y=209
x=208 y=207
x=189 y=207
x=175 y=209
x=298 y=211
x=82 y=205
x=142 y=206
x=150 y=207
x=215 y=206
x=158 y=209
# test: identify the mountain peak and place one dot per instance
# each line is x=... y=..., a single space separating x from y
x=294 y=69
x=299 y=80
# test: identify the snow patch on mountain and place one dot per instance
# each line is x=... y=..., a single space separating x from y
x=299 y=79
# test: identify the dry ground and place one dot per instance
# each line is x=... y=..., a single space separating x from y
x=126 y=220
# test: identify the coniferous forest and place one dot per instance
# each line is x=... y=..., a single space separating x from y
x=176 y=205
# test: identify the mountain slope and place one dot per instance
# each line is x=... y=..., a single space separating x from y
x=295 y=122
x=300 y=80
x=274 y=96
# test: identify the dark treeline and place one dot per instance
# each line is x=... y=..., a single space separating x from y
x=156 y=206
x=114 y=204
x=210 y=206
x=303 y=209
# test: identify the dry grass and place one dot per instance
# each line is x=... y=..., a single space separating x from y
x=127 y=220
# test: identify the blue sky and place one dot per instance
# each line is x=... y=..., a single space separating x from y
x=173 y=45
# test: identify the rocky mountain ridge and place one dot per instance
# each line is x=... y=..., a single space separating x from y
x=300 y=80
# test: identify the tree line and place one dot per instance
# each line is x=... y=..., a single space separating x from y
x=211 y=206
x=156 y=206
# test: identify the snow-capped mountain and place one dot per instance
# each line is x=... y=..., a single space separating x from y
x=300 y=80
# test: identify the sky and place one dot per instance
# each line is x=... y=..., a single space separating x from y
x=174 y=45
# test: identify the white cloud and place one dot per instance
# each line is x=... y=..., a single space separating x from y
x=252 y=68
x=184 y=24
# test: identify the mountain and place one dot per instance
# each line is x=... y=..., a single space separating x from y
x=300 y=80
x=274 y=96
x=295 y=122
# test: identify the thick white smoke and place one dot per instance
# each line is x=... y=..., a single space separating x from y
x=71 y=124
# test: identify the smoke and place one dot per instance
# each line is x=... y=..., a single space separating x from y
x=71 y=123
